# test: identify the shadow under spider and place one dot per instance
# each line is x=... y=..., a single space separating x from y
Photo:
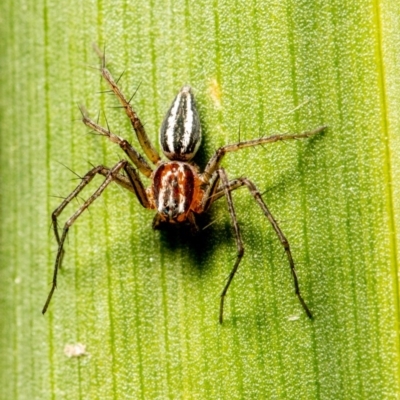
x=198 y=246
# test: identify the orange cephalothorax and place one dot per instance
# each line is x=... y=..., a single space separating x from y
x=175 y=190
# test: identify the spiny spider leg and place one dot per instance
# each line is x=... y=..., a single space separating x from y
x=135 y=157
x=112 y=175
x=216 y=159
x=209 y=196
x=237 y=183
x=238 y=238
x=131 y=182
x=102 y=170
x=220 y=191
x=137 y=125
x=137 y=185
x=118 y=178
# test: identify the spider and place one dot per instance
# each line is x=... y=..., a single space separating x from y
x=178 y=190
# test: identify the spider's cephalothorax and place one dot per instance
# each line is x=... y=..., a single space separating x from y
x=178 y=191
x=175 y=191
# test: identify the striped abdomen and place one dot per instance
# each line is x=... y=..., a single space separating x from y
x=180 y=133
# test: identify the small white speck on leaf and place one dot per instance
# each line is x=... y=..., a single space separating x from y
x=75 y=350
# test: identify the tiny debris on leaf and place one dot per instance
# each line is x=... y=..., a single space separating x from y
x=75 y=350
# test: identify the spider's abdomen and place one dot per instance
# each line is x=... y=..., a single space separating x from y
x=180 y=133
x=175 y=190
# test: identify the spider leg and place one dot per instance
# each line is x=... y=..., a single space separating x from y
x=237 y=183
x=209 y=196
x=238 y=238
x=137 y=185
x=220 y=191
x=133 y=154
x=216 y=159
x=137 y=125
x=131 y=183
x=193 y=224
x=118 y=178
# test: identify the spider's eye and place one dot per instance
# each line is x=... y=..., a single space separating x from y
x=180 y=133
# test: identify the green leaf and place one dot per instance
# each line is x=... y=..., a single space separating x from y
x=145 y=303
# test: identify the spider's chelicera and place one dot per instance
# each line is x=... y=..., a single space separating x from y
x=178 y=190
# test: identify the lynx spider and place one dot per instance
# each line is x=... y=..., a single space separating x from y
x=178 y=191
